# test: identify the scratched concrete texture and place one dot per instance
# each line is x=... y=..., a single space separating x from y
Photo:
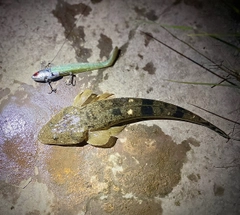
x=156 y=167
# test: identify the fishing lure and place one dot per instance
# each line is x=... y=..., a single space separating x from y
x=99 y=119
x=50 y=74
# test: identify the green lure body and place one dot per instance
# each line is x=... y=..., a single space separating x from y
x=76 y=68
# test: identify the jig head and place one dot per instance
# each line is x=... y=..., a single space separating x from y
x=46 y=76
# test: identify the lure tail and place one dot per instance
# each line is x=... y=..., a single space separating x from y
x=112 y=58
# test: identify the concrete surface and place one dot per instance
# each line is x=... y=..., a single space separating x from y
x=156 y=167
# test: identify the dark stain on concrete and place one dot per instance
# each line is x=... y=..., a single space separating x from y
x=4 y=92
x=9 y=192
x=140 y=11
x=124 y=47
x=153 y=161
x=193 y=177
x=150 y=15
x=150 y=89
x=218 y=190
x=177 y=203
x=17 y=150
x=105 y=45
x=194 y=3
x=192 y=141
x=105 y=77
x=148 y=39
x=65 y=13
x=117 y=205
x=95 y=1
x=131 y=34
x=150 y=68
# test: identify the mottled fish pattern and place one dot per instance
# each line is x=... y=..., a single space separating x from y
x=73 y=124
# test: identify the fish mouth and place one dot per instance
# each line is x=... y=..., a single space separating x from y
x=49 y=135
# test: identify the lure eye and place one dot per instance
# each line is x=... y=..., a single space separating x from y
x=36 y=74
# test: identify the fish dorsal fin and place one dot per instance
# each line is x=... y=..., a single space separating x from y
x=87 y=97
x=84 y=98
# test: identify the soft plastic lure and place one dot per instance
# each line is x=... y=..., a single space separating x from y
x=97 y=121
x=55 y=73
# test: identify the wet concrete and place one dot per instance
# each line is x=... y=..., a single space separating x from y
x=156 y=167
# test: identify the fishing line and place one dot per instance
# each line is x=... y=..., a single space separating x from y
x=71 y=29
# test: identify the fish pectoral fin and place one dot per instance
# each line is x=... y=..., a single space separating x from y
x=87 y=97
x=104 y=138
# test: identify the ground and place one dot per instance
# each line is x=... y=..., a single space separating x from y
x=155 y=167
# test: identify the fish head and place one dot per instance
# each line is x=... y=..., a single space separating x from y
x=65 y=128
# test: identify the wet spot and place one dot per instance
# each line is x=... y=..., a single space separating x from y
x=149 y=67
x=193 y=141
x=140 y=12
x=193 y=177
x=4 y=92
x=105 y=45
x=105 y=76
x=177 y=203
x=66 y=13
x=9 y=192
x=154 y=158
x=127 y=24
x=195 y=3
x=218 y=190
x=150 y=89
x=61 y=170
x=131 y=34
x=76 y=172
x=147 y=38
x=21 y=116
x=124 y=206
x=124 y=48
x=34 y=212
x=150 y=15
x=17 y=142
x=95 y=1
x=177 y=2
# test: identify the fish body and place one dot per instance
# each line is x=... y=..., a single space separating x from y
x=74 y=125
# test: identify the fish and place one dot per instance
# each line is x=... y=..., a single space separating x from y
x=98 y=119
